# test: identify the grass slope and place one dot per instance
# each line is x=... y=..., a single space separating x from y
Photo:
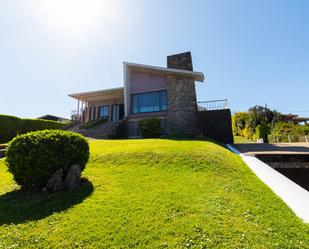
x=241 y=140
x=153 y=194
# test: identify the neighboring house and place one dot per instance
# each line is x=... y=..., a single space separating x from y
x=148 y=92
x=54 y=118
x=295 y=119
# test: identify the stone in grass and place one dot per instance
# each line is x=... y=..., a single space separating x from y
x=72 y=179
x=55 y=182
x=2 y=152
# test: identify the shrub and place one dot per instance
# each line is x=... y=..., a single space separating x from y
x=121 y=130
x=150 y=128
x=11 y=126
x=262 y=131
x=32 y=158
x=28 y=125
x=283 y=131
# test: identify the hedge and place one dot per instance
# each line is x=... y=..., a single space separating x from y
x=34 y=157
x=11 y=126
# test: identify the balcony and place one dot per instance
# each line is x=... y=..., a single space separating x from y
x=212 y=105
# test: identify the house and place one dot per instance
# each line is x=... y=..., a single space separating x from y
x=54 y=118
x=295 y=119
x=167 y=93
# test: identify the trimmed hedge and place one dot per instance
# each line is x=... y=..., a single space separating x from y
x=150 y=128
x=32 y=158
x=11 y=126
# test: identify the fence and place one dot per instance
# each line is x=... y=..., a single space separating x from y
x=288 y=139
x=219 y=104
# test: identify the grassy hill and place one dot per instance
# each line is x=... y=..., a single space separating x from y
x=153 y=194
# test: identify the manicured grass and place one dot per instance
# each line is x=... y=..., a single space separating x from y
x=241 y=140
x=153 y=194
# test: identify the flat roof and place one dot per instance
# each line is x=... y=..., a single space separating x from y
x=92 y=94
x=197 y=76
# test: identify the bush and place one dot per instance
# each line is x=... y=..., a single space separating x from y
x=11 y=126
x=283 y=131
x=150 y=128
x=121 y=130
x=262 y=131
x=32 y=158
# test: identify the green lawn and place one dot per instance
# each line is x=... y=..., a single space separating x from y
x=241 y=140
x=153 y=194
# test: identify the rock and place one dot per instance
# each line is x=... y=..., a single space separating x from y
x=44 y=190
x=55 y=182
x=72 y=180
x=2 y=152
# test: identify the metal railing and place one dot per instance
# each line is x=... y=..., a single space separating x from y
x=218 y=104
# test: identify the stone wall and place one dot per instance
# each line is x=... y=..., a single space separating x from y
x=182 y=107
x=280 y=161
x=180 y=61
x=216 y=124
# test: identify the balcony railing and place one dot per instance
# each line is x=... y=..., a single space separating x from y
x=218 y=104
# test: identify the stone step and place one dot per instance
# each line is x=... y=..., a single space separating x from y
x=104 y=130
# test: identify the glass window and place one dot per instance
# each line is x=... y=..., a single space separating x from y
x=149 y=102
x=104 y=110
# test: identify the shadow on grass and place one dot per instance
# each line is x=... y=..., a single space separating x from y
x=18 y=206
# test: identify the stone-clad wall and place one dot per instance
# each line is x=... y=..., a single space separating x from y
x=279 y=161
x=216 y=124
x=182 y=107
x=180 y=61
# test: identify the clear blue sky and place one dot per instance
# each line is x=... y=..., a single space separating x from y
x=251 y=52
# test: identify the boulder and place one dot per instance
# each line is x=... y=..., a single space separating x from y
x=72 y=179
x=55 y=182
x=2 y=152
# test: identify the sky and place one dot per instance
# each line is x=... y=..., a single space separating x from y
x=251 y=52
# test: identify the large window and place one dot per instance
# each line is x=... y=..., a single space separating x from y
x=149 y=102
x=104 y=113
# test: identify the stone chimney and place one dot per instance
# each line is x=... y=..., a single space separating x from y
x=180 y=61
x=181 y=97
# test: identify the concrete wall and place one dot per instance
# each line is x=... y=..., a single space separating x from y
x=216 y=125
x=147 y=82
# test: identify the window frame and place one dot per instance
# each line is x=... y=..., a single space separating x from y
x=159 y=92
x=108 y=112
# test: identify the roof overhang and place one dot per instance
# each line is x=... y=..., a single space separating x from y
x=99 y=95
x=301 y=119
x=197 y=76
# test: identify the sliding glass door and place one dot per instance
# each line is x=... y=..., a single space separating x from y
x=104 y=113
x=115 y=113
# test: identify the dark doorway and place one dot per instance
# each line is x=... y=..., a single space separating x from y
x=299 y=176
x=117 y=112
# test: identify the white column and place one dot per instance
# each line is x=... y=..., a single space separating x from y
x=82 y=111
x=78 y=108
